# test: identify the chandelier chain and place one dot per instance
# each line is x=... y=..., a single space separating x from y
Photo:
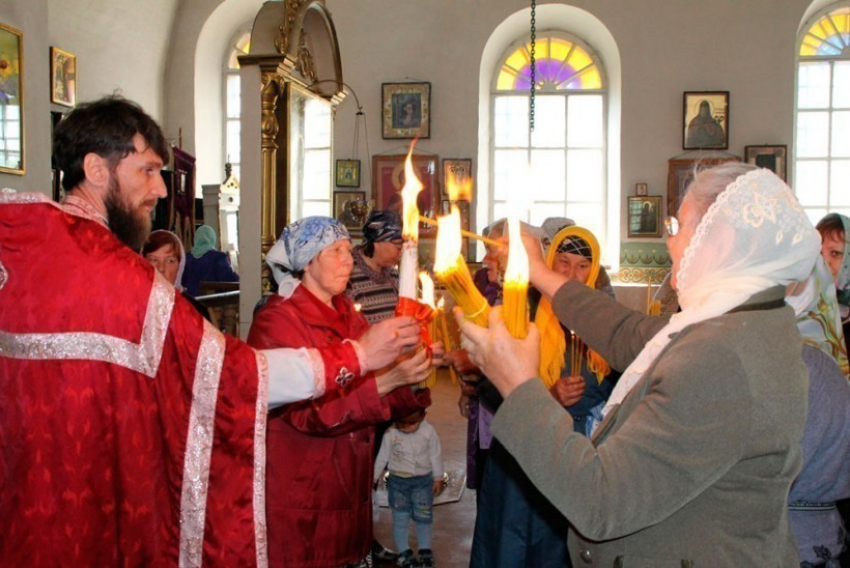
x=533 y=65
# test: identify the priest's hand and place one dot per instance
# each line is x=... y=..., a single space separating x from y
x=506 y=361
x=568 y=390
x=410 y=371
x=385 y=341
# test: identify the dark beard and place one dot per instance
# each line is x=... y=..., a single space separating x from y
x=131 y=227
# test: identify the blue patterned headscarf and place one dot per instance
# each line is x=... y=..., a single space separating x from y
x=299 y=243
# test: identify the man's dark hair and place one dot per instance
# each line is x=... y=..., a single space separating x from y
x=105 y=127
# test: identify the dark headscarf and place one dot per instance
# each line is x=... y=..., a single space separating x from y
x=576 y=245
x=381 y=226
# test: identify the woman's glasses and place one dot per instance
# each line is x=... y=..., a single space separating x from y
x=672 y=226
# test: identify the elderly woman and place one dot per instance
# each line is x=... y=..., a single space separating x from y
x=320 y=454
x=694 y=459
x=164 y=251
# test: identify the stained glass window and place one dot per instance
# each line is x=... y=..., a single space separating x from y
x=829 y=35
x=822 y=150
x=567 y=150
x=560 y=65
x=233 y=104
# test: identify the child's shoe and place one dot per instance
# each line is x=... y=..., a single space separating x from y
x=426 y=559
x=405 y=559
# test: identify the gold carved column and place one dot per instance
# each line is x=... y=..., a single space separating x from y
x=269 y=128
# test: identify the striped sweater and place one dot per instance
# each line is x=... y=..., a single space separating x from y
x=376 y=292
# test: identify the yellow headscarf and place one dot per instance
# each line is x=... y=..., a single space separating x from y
x=553 y=343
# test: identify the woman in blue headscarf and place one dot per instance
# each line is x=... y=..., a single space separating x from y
x=320 y=455
x=205 y=263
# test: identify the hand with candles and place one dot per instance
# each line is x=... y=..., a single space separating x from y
x=568 y=390
x=507 y=362
x=409 y=371
x=385 y=341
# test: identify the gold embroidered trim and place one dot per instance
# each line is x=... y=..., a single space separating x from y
x=199 y=443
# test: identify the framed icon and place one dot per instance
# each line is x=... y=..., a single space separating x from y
x=645 y=216
x=706 y=120
x=406 y=110
x=348 y=173
x=774 y=158
x=63 y=77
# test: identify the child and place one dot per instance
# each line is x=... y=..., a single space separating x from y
x=412 y=450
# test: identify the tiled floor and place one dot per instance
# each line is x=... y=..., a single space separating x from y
x=453 y=522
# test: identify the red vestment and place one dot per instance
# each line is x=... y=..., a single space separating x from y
x=131 y=431
x=321 y=452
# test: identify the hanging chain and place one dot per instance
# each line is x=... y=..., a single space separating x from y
x=533 y=65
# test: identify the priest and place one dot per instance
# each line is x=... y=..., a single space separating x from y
x=132 y=431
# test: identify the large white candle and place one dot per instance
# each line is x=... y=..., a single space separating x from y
x=409 y=266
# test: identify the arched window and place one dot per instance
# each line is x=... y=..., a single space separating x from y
x=233 y=103
x=822 y=147
x=567 y=150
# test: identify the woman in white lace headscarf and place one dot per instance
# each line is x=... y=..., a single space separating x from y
x=693 y=462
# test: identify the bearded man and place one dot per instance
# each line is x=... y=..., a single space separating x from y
x=132 y=431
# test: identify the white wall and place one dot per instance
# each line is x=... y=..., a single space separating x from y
x=666 y=47
x=121 y=45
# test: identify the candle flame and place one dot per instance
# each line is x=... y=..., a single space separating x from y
x=458 y=187
x=357 y=306
x=517 y=269
x=427 y=288
x=441 y=304
x=409 y=193
x=448 y=241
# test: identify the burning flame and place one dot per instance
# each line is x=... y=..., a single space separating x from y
x=448 y=241
x=517 y=270
x=441 y=303
x=411 y=189
x=458 y=187
x=427 y=288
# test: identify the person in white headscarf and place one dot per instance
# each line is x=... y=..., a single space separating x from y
x=320 y=456
x=165 y=252
x=694 y=459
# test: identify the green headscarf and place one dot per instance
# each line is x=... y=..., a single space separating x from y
x=205 y=241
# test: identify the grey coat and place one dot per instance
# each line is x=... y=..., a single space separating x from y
x=694 y=467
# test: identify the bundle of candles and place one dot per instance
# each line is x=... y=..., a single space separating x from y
x=452 y=271
x=450 y=268
x=515 y=287
x=576 y=355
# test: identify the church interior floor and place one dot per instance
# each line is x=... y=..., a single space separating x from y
x=453 y=522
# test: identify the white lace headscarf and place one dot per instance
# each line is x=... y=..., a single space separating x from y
x=753 y=237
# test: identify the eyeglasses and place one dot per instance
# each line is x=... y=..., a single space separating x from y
x=672 y=226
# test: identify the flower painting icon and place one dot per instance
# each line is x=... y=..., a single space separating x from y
x=11 y=101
